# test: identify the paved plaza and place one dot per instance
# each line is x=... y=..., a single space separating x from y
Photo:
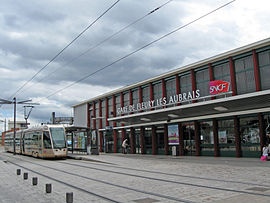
x=135 y=178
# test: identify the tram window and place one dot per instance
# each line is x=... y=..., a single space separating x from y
x=46 y=140
x=58 y=137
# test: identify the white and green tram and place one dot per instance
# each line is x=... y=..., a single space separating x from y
x=45 y=141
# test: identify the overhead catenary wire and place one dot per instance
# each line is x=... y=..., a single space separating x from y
x=139 y=49
x=103 y=41
x=59 y=53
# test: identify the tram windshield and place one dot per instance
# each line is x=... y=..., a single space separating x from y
x=58 y=137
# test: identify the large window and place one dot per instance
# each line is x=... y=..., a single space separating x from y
x=226 y=138
x=244 y=73
x=146 y=95
x=126 y=98
x=91 y=116
x=185 y=83
x=202 y=82
x=250 y=136
x=148 y=140
x=117 y=105
x=103 y=111
x=206 y=138
x=97 y=114
x=110 y=110
x=157 y=91
x=170 y=88
x=135 y=97
x=221 y=72
x=264 y=66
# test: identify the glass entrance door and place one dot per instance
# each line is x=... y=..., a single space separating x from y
x=189 y=139
x=137 y=141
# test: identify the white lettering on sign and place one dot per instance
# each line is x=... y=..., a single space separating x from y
x=159 y=102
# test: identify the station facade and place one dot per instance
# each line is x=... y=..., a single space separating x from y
x=219 y=106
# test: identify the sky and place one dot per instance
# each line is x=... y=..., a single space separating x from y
x=34 y=32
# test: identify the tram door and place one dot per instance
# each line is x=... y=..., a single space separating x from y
x=189 y=139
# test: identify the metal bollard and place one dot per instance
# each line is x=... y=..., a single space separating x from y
x=25 y=176
x=18 y=172
x=48 y=188
x=34 y=181
x=69 y=197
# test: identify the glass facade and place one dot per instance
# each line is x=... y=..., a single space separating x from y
x=207 y=138
x=148 y=140
x=117 y=106
x=146 y=95
x=244 y=75
x=160 y=139
x=110 y=109
x=135 y=97
x=97 y=114
x=249 y=125
x=157 y=91
x=226 y=138
x=264 y=67
x=126 y=98
x=170 y=85
x=185 y=83
x=103 y=112
x=222 y=72
x=202 y=82
x=250 y=136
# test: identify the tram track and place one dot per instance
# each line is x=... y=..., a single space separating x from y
x=167 y=174
x=177 y=182
x=149 y=178
x=91 y=179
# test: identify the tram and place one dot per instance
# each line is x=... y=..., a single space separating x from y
x=45 y=141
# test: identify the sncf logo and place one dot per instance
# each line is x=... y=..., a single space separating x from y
x=218 y=86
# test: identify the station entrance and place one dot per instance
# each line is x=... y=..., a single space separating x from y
x=189 y=139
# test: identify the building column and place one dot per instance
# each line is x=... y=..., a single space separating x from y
x=232 y=73
x=197 y=138
x=115 y=141
x=237 y=136
x=154 y=140
x=107 y=111
x=142 y=144
x=163 y=89
x=114 y=125
x=256 y=71
x=100 y=127
x=88 y=115
x=193 y=82
x=211 y=75
x=94 y=115
x=166 y=145
x=132 y=141
x=123 y=136
x=262 y=130
x=181 y=140
x=130 y=98
x=215 y=134
x=177 y=85
x=151 y=94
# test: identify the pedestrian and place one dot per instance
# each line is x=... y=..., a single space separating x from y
x=265 y=151
x=125 y=146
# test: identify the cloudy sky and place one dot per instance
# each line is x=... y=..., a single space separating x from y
x=32 y=32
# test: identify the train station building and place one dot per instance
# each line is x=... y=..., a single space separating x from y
x=219 y=106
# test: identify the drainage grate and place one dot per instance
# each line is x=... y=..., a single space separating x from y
x=260 y=189
x=146 y=200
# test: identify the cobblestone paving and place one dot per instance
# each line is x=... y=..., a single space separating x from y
x=93 y=178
